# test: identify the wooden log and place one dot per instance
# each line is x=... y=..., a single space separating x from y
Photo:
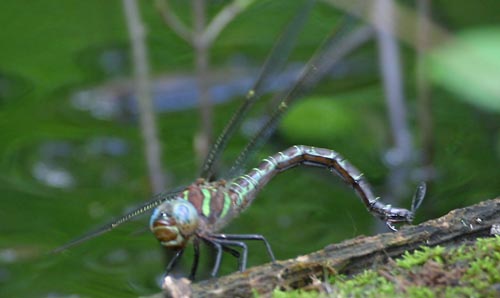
x=347 y=257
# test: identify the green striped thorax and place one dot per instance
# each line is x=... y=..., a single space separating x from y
x=173 y=222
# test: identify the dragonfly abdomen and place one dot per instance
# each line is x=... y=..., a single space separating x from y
x=246 y=186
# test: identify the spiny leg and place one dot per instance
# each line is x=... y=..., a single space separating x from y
x=391 y=226
x=242 y=260
x=196 y=258
x=218 y=256
x=196 y=246
x=248 y=237
x=174 y=261
x=232 y=251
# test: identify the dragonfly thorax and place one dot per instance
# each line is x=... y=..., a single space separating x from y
x=173 y=222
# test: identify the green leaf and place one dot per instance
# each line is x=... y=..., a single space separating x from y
x=469 y=65
x=317 y=118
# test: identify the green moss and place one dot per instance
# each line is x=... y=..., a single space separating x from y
x=295 y=294
x=460 y=292
x=366 y=284
x=419 y=257
x=468 y=270
x=420 y=292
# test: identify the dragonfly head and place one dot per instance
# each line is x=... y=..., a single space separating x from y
x=174 y=222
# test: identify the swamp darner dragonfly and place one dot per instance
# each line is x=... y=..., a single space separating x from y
x=203 y=208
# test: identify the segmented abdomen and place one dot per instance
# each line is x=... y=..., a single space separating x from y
x=244 y=189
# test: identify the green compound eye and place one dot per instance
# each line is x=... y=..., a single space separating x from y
x=186 y=217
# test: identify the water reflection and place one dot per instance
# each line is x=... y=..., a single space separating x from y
x=177 y=92
x=59 y=162
x=174 y=93
x=52 y=175
x=115 y=261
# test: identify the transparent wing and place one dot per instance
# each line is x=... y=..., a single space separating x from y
x=157 y=200
x=340 y=42
x=418 y=197
x=274 y=63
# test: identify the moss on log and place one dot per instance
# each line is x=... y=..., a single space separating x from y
x=347 y=257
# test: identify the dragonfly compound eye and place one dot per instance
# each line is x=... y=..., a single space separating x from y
x=173 y=222
x=185 y=216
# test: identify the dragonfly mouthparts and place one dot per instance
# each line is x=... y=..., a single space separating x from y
x=164 y=232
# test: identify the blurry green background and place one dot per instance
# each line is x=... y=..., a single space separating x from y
x=72 y=157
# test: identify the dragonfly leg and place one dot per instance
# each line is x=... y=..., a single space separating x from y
x=196 y=246
x=194 y=267
x=174 y=261
x=218 y=257
x=232 y=251
x=242 y=260
x=248 y=237
x=391 y=226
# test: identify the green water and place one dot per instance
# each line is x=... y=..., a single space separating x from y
x=50 y=49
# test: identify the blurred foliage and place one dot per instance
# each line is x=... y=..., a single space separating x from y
x=469 y=65
x=52 y=49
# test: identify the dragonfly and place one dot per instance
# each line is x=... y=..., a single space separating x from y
x=197 y=213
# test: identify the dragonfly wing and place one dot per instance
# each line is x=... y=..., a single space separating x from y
x=274 y=63
x=337 y=45
x=157 y=200
x=418 y=197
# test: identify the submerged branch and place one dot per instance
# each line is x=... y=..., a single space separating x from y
x=399 y=156
x=203 y=137
x=142 y=80
x=424 y=97
x=172 y=21
x=223 y=18
x=348 y=257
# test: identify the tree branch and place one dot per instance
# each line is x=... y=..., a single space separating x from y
x=399 y=156
x=143 y=93
x=424 y=97
x=348 y=257
x=224 y=17
x=405 y=17
x=172 y=21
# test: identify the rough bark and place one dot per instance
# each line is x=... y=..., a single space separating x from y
x=347 y=257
